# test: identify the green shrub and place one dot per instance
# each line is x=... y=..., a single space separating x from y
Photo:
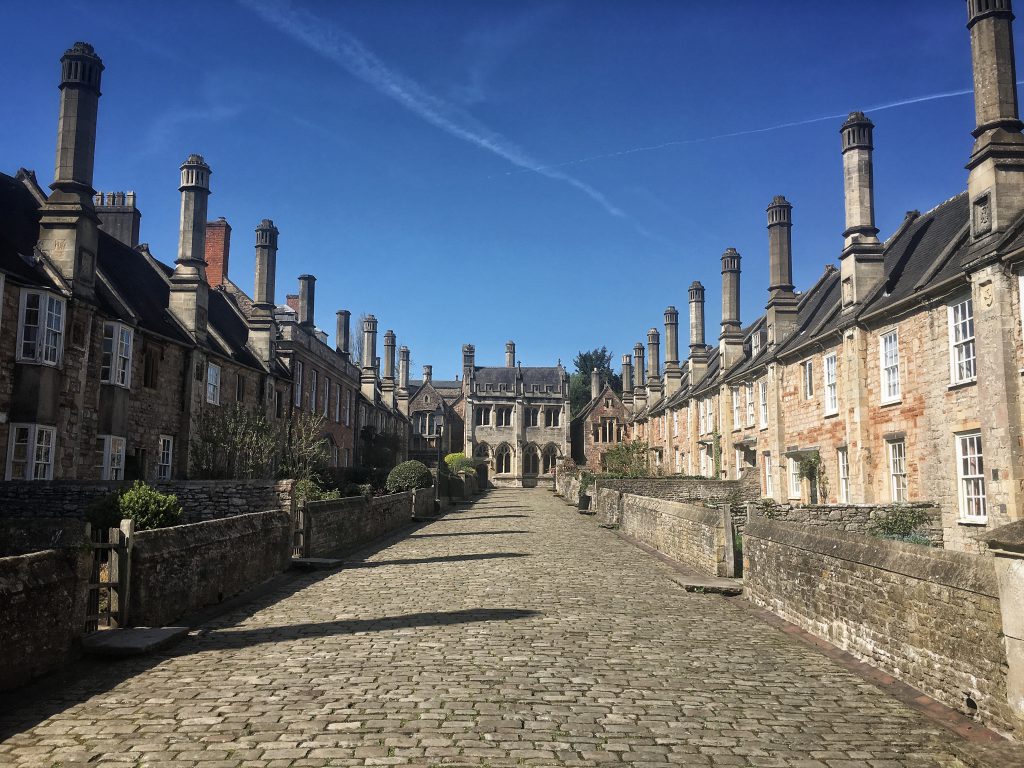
x=453 y=459
x=309 y=489
x=899 y=522
x=409 y=475
x=148 y=507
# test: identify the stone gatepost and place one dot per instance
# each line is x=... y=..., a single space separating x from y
x=1007 y=544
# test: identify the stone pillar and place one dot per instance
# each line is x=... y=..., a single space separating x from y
x=731 y=338
x=995 y=185
x=307 y=299
x=342 y=339
x=68 y=226
x=189 y=299
x=510 y=354
x=782 y=300
x=1007 y=544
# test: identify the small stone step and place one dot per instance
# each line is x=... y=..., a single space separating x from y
x=710 y=584
x=316 y=563
x=133 y=641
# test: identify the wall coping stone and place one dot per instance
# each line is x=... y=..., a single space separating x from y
x=206 y=532
x=711 y=517
x=960 y=570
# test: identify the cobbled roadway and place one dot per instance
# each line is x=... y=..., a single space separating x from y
x=511 y=632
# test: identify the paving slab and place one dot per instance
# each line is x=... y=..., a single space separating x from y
x=132 y=641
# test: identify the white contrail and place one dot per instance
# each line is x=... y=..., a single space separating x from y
x=747 y=132
x=339 y=46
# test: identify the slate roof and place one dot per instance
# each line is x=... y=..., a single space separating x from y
x=542 y=376
x=19 y=230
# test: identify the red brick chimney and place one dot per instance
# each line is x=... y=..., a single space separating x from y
x=292 y=299
x=218 y=248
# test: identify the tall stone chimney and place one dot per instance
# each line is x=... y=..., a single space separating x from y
x=782 y=301
x=190 y=293
x=403 y=380
x=342 y=341
x=468 y=361
x=639 y=377
x=262 y=327
x=218 y=251
x=654 y=386
x=861 y=265
x=307 y=299
x=68 y=225
x=119 y=217
x=731 y=339
x=673 y=373
x=510 y=354
x=428 y=374
x=995 y=184
x=698 y=349
x=627 y=380
x=595 y=384
x=368 y=378
x=387 y=386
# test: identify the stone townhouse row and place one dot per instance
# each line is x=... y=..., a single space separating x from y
x=896 y=377
x=109 y=358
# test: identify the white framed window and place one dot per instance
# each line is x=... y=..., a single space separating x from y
x=239 y=387
x=327 y=399
x=831 y=386
x=116 y=365
x=41 y=328
x=113 y=458
x=755 y=343
x=337 y=404
x=213 y=383
x=843 y=468
x=30 y=452
x=897 y=450
x=675 y=426
x=750 y=404
x=313 y=391
x=712 y=424
x=808 y=378
x=348 y=407
x=970 y=472
x=297 y=385
x=762 y=387
x=769 y=483
x=678 y=464
x=165 y=457
x=889 y=363
x=735 y=407
x=738 y=459
x=962 y=358
x=703 y=413
x=795 y=489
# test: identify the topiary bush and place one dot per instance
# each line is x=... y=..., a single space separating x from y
x=453 y=459
x=409 y=475
x=148 y=507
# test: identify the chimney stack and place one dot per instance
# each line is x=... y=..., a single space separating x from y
x=190 y=293
x=428 y=373
x=468 y=361
x=403 y=380
x=731 y=339
x=218 y=250
x=994 y=185
x=639 y=378
x=342 y=342
x=262 y=328
x=68 y=226
x=388 y=379
x=698 y=349
x=654 y=387
x=307 y=298
x=627 y=380
x=595 y=384
x=510 y=354
x=119 y=217
x=368 y=378
x=673 y=373
x=861 y=264
x=782 y=301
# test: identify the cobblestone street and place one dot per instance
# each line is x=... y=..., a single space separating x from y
x=511 y=632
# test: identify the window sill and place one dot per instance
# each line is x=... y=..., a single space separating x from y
x=887 y=403
x=831 y=415
x=962 y=384
x=972 y=521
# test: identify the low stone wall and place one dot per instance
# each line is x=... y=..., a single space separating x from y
x=42 y=611
x=930 y=617
x=343 y=525
x=851 y=518
x=200 y=499
x=687 y=489
x=423 y=502
x=692 y=536
x=21 y=535
x=177 y=570
x=606 y=504
x=568 y=487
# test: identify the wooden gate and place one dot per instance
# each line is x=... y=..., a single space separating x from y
x=299 y=530
x=110 y=576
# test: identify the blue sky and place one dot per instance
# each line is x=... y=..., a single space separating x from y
x=479 y=171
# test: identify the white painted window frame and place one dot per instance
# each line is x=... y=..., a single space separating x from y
x=297 y=385
x=896 y=452
x=762 y=387
x=970 y=476
x=47 y=345
x=831 y=384
x=889 y=369
x=213 y=372
x=769 y=483
x=735 y=407
x=116 y=362
x=113 y=457
x=963 y=361
x=37 y=466
x=164 y=457
x=795 y=486
x=807 y=374
x=843 y=470
x=313 y=376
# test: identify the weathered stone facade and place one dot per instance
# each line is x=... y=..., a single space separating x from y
x=598 y=428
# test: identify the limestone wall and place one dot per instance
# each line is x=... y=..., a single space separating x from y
x=200 y=499
x=21 y=535
x=851 y=518
x=42 y=611
x=344 y=525
x=687 y=488
x=177 y=570
x=929 y=617
x=423 y=502
x=691 y=535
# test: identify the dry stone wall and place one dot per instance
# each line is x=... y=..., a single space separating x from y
x=343 y=525
x=692 y=536
x=180 y=569
x=42 y=611
x=929 y=617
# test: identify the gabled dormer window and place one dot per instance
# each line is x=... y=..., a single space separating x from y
x=41 y=328
x=116 y=367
